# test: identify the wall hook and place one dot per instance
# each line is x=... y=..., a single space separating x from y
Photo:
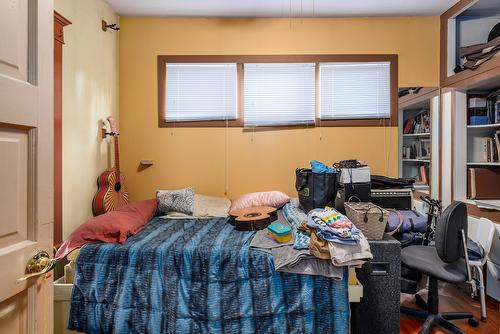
x=105 y=26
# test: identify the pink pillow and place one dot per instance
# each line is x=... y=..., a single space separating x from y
x=114 y=226
x=275 y=199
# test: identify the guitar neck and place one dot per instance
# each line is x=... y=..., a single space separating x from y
x=117 y=158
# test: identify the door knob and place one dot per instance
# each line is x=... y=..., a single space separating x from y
x=37 y=265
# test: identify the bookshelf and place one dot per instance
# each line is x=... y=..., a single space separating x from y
x=475 y=145
x=418 y=126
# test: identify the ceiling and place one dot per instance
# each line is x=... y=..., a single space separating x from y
x=279 y=8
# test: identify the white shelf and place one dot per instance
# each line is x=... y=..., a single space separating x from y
x=423 y=188
x=484 y=126
x=417 y=135
x=492 y=204
x=417 y=160
x=471 y=163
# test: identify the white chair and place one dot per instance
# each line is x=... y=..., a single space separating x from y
x=484 y=237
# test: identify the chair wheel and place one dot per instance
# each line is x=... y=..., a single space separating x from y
x=473 y=322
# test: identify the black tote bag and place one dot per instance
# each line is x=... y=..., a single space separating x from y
x=316 y=190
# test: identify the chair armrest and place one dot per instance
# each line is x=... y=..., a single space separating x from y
x=467 y=264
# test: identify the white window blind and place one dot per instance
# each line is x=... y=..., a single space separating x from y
x=201 y=92
x=355 y=90
x=279 y=94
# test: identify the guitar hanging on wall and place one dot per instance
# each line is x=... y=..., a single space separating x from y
x=111 y=192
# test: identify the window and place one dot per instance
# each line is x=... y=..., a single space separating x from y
x=351 y=90
x=274 y=90
x=200 y=92
x=279 y=94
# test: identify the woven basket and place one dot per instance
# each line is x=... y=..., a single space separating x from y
x=368 y=217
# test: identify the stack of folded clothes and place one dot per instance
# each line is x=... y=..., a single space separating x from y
x=333 y=236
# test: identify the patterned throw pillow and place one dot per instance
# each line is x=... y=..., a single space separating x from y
x=181 y=200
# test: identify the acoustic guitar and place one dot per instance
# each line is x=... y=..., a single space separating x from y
x=111 y=192
x=253 y=219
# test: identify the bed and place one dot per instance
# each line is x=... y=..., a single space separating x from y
x=198 y=276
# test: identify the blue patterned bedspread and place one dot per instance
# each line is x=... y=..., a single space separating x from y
x=198 y=276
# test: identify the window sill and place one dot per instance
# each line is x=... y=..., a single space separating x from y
x=201 y=124
x=358 y=122
x=319 y=123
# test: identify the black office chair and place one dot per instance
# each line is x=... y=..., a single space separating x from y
x=447 y=262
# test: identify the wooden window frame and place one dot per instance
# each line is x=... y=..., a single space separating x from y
x=241 y=59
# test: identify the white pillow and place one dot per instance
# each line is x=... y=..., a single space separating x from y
x=210 y=206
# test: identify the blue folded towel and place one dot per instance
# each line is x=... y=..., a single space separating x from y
x=319 y=167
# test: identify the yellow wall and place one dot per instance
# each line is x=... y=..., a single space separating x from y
x=217 y=159
x=90 y=94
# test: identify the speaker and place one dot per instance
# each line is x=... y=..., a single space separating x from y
x=378 y=310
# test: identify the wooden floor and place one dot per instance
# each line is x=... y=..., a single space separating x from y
x=454 y=299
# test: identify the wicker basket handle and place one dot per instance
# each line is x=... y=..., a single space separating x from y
x=381 y=219
x=356 y=197
x=401 y=220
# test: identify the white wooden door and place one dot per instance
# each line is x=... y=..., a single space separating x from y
x=26 y=191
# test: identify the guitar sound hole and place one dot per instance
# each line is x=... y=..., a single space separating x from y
x=252 y=215
x=118 y=186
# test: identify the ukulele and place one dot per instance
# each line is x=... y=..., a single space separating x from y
x=111 y=192
x=253 y=219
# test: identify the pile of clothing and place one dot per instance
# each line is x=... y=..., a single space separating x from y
x=334 y=237
x=324 y=243
x=288 y=259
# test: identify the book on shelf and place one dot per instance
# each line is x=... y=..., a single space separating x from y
x=477 y=113
x=477 y=101
x=483 y=109
x=497 y=143
x=491 y=148
x=406 y=152
x=483 y=183
x=420 y=123
x=420 y=149
x=408 y=126
x=494 y=106
x=423 y=174
x=422 y=177
x=497 y=112
x=478 y=120
x=425 y=148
